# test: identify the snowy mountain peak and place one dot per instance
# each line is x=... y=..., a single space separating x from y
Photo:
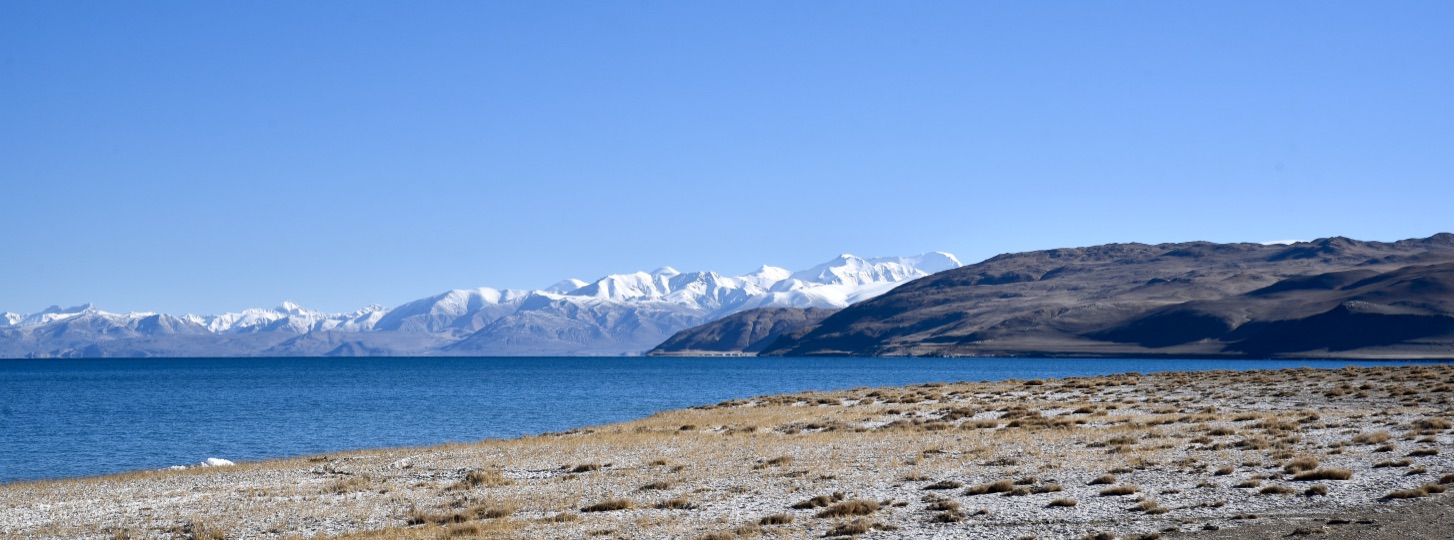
x=929 y=263
x=616 y=314
x=73 y=310
x=765 y=276
x=371 y=310
x=845 y=269
x=623 y=287
x=851 y=271
x=55 y=313
x=565 y=286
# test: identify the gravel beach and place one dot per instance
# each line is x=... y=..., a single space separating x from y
x=1340 y=453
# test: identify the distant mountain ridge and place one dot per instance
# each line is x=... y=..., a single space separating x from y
x=1327 y=298
x=614 y=315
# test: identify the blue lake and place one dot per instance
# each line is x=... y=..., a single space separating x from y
x=63 y=418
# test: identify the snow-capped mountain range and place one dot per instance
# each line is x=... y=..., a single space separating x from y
x=615 y=315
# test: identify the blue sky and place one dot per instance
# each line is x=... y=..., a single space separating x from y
x=208 y=156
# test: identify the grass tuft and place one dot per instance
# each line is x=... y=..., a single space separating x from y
x=1323 y=474
x=1106 y=479
x=1372 y=438
x=776 y=519
x=819 y=501
x=677 y=503
x=1118 y=491
x=1407 y=493
x=949 y=516
x=855 y=527
x=1002 y=486
x=201 y=530
x=942 y=506
x=858 y=507
x=1437 y=424
x=609 y=505
x=1277 y=490
x=1301 y=464
x=348 y=484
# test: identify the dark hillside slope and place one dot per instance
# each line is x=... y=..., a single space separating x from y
x=1333 y=297
x=746 y=332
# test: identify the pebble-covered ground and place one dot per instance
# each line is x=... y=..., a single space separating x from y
x=1201 y=454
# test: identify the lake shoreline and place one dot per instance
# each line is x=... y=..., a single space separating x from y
x=83 y=418
x=1134 y=455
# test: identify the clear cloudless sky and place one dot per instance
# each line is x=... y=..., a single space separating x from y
x=203 y=157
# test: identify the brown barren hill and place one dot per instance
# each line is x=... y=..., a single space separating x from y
x=746 y=332
x=1333 y=297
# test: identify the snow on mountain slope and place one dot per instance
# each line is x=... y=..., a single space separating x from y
x=362 y=320
x=92 y=325
x=575 y=326
x=459 y=310
x=629 y=313
x=703 y=290
x=929 y=263
x=616 y=314
x=764 y=277
x=287 y=317
x=824 y=296
x=626 y=287
x=845 y=279
x=854 y=271
x=708 y=290
x=53 y=314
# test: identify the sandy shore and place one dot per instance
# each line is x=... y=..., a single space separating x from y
x=1356 y=452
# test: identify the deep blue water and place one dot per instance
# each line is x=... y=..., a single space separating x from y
x=61 y=418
